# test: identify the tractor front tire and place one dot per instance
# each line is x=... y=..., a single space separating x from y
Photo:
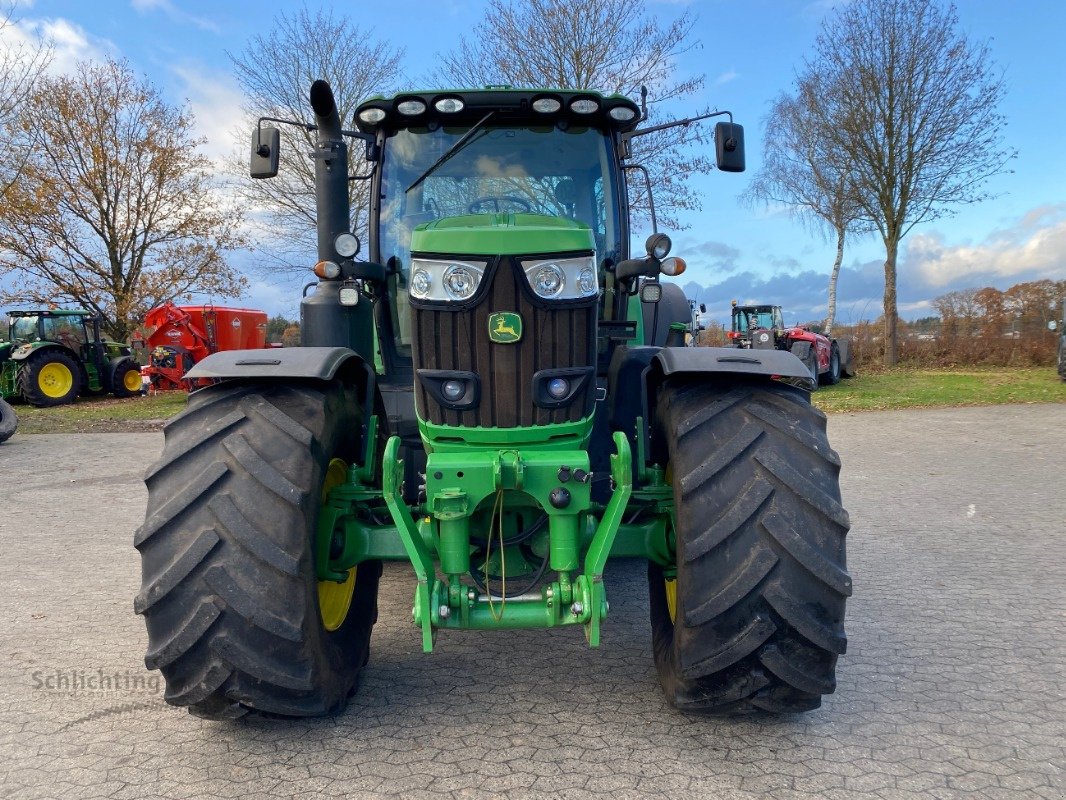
x=9 y=421
x=753 y=619
x=125 y=377
x=229 y=591
x=832 y=375
x=806 y=353
x=49 y=377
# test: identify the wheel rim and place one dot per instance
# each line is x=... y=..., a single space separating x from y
x=335 y=599
x=55 y=380
x=132 y=380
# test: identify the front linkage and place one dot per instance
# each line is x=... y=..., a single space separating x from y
x=460 y=488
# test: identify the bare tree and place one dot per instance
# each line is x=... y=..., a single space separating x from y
x=276 y=71
x=914 y=111
x=21 y=64
x=797 y=173
x=604 y=45
x=114 y=210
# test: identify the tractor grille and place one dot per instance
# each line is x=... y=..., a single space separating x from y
x=554 y=336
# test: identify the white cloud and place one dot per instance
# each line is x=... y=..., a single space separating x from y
x=174 y=13
x=216 y=104
x=1034 y=246
x=69 y=41
x=726 y=77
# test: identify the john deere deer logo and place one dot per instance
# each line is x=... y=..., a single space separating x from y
x=505 y=327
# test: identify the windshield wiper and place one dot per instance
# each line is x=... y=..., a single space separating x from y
x=451 y=151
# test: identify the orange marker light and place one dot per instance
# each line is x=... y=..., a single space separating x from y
x=673 y=266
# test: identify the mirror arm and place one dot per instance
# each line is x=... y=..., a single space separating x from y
x=676 y=123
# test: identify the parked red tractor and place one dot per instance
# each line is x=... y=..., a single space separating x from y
x=180 y=336
x=763 y=327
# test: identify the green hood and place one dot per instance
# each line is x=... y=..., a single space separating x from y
x=502 y=234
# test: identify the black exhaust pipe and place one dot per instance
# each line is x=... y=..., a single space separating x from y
x=324 y=322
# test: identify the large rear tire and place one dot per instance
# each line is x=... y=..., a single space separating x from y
x=754 y=619
x=229 y=590
x=49 y=377
x=9 y=421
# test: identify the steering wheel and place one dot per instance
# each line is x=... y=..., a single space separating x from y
x=478 y=206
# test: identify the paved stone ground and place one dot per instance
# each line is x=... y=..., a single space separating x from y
x=953 y=685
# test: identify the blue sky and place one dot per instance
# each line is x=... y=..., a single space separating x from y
x=749 y=52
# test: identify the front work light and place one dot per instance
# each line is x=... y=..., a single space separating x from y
x=449 y=105
x=372 y=116
x=584 y=106
x=349 y=294
x=411 y=108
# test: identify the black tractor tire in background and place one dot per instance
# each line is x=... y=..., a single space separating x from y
x=805 y=352
x=229 y=589
x=832 y=375
x=124 y=369
x=35 y=374
x=9 y=420
x=761 y=576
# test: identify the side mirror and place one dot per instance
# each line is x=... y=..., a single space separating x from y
x=1053 y=326
x=729 y=146
x=266 y=149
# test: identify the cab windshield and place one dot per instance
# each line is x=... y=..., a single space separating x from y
x=539 y=170
x=24 y=329
x=752 y=319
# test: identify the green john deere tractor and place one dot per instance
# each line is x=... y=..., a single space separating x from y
x=482 y=399
x=53 y=355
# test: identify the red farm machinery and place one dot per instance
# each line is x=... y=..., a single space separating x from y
x=180 y=336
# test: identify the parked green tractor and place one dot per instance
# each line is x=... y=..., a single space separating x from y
x=53 y=355
x=481 y=399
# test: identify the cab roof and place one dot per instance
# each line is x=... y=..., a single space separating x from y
x=49 y=312
x=517 y=106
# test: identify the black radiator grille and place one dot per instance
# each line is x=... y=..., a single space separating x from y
x=554 y=336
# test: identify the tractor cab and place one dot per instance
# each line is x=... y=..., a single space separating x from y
x=748 y=320
x=517 y=186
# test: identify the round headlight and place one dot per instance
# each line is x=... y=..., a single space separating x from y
x=546 y=105
x=584 y=106
x=558 y=388
x=449 y=105
x=371 y=116
x=410 y=107
x=421 y=283
x=459 y=282
x=453 y=390
x=547 y=280
x=622 y=113
x=658 y=245
x=586 y=281
x=346 y=245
